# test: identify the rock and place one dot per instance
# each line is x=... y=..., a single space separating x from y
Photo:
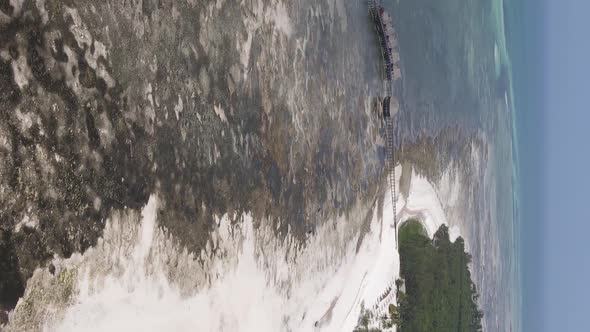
x=3 y=317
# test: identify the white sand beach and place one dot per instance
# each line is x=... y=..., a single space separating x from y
x=136 y=278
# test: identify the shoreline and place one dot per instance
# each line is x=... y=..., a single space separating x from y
x=423 y=204
x=315 y=288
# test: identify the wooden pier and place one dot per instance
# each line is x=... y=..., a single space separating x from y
x=391 y=64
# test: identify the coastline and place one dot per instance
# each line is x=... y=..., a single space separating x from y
x=301 y=289
x=423 y=204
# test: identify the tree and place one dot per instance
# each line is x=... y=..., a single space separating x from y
x=440 y=295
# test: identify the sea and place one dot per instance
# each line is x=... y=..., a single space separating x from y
x=459 y=76
x=523 y=22
x=237 y=174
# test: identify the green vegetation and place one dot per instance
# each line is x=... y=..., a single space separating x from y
x=368 y=320
x=436 y=293
x=364 y=322
x=440 y=295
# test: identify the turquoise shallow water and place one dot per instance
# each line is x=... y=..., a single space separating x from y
x=508 y=27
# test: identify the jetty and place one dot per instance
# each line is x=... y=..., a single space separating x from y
x=384 y=26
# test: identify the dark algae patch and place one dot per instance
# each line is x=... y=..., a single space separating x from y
x=439 y=293
x=103 y=104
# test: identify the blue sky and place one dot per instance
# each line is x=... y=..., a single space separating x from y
x=555 y=167
x=566 y=89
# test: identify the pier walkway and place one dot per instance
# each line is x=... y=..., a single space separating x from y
x=391 y=61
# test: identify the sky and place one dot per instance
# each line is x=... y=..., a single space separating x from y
x=554 y=133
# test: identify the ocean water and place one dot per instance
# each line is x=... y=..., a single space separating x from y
x=255 y=107
x=522 y=23
x=228 y=122
x=458 y=74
